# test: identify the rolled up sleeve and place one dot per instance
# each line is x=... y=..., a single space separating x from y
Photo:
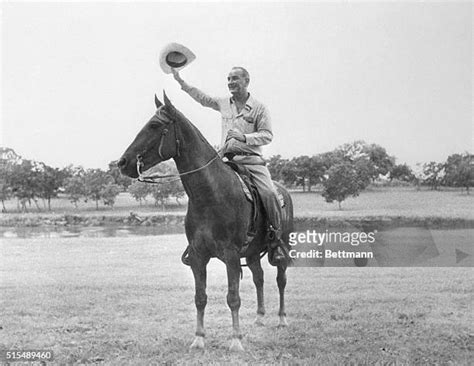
x=200 y=97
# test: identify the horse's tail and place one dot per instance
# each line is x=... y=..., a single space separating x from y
x=286 y=220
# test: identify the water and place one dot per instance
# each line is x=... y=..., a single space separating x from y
x=46 y=232
x=399 y=246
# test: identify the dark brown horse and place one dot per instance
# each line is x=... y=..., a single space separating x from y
x=218 y=213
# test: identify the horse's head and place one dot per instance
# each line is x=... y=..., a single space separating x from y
x=156 y=142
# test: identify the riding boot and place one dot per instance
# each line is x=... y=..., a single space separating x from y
x=276 y=254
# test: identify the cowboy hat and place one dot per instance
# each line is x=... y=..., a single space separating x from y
x=175 y=55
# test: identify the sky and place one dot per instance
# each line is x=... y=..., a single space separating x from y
x=78 y=79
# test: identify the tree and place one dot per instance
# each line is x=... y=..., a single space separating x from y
x=402 y=172
x=459 y=170
x=342 y=182
x=331 y=158
x=167 y=188
x=119 y=179
x=24 y=183
x=8 y=160
x=50 y=180
x=433 y=174
x=109 y=193
x=302 y=166
x=5 y=194
x=288 y=173
x=5 y=186
x=364 y=171
x=177 y=190
x=354 y=155
x=465 y=173
x=303 y=171
x=73 y=171
x=75 y=188
x=160 y=192
x=317 y=170
x=275 y=165
x=95 y=181
x=371 y=159
x=381 y=161
x=139 y=191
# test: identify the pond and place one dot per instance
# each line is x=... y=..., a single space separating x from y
x=399 y=246
x=87 y=231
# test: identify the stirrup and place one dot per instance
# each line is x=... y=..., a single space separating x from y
x=273 y=234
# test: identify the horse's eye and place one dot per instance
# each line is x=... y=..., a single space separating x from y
x=154 y=126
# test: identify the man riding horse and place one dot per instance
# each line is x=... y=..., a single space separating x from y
x=246 y=127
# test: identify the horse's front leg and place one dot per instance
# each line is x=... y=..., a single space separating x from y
x=198 y=265
x=257 y=274
x=233 y=297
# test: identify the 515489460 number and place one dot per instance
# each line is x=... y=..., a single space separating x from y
x=19 y=355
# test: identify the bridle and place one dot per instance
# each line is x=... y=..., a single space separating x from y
x=153 y=178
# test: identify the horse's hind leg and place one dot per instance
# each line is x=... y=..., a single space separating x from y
x=257 y=273
x=281 y=281
x=198 y=265
x=233 y=297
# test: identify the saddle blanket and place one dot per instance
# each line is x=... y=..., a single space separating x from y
x=246 y=189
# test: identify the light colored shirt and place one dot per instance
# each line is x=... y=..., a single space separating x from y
x=253 y=121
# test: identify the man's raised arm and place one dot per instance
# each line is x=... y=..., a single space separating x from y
x=195 y=93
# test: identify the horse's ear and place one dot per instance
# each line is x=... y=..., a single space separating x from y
x=167 y=101
x=157 y=102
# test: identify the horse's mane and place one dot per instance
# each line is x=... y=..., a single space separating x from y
x=184 y=119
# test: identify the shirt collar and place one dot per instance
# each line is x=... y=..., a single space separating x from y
x=248 y=105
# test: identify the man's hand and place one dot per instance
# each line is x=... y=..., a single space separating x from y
x=234 y=134
x=176 y=75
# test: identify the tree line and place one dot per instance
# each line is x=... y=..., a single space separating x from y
x=32 y=182
x=350 y=168
x=338 y=174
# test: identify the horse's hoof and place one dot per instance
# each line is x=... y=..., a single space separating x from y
x=236 y=345
x=283 y=322
x=259 y=320
x=198 y=343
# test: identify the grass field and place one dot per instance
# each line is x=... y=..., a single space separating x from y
x=390 y=202
x=373 y=202
x=130 y=301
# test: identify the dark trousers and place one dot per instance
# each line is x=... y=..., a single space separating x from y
x=266 y=189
